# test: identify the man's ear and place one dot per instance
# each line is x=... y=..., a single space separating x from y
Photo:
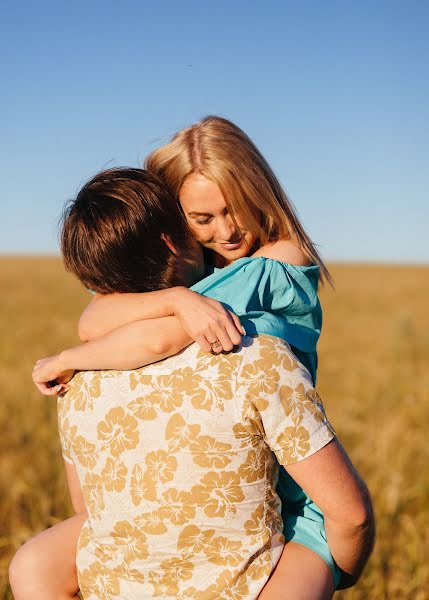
x=168 y=242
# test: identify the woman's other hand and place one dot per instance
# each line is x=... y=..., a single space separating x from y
x=215 y=328
x=50 y=376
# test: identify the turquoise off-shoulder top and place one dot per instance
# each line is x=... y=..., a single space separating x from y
x=274 y=298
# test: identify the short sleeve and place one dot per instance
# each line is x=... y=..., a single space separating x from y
x=279 y=402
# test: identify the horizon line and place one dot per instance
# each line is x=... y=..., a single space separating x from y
x=335 y=261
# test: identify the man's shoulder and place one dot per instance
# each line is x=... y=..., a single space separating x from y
x=265 y=351
x=265 y=347
x=268 y=352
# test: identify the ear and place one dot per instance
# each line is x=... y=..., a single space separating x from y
x=168 y=242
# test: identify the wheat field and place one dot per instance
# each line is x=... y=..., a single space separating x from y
x=373 y=377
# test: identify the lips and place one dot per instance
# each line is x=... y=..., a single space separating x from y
x=232 y=245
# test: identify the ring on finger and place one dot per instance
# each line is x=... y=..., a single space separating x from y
x=215 y=344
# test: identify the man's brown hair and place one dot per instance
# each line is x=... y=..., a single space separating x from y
x=111 y=233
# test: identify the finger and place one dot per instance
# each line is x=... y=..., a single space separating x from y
x=233 y=333
x=216 y=348
x=62 y=389
x=218 y=340
x=225 y=342
x=203 y=343
x=237 y=323
x=46 y=391
x=214 y=345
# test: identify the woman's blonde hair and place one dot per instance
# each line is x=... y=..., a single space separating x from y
x=223 y=153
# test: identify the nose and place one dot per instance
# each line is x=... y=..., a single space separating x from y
x=226 y=229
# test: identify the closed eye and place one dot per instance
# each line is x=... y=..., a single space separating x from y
x=203 y=221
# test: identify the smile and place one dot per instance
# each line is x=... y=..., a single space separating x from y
x=232 y=245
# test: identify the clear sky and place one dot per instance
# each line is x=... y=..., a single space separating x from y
x=334 y=93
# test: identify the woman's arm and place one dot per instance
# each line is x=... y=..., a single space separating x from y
x=106 y=312
x=204 y=319
x=128 y=347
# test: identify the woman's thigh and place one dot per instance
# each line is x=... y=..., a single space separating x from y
x=300 y=574
x=45 y=566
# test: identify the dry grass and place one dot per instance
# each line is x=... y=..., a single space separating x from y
x=373 y=377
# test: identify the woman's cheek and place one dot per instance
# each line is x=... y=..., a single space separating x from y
x=202 y=236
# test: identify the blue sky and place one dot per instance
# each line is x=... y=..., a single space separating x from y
x=335 y=94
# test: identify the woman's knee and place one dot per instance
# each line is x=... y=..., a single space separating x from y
x=25 y=572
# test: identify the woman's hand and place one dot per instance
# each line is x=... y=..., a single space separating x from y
x=50 y=376
x=207 y=321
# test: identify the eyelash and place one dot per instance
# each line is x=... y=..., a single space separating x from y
x=203 y=221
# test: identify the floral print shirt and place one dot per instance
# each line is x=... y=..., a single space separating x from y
x=178 y=464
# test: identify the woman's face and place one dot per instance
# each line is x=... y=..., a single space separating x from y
x=208 y=218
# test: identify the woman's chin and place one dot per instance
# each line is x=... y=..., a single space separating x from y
x=232 y=255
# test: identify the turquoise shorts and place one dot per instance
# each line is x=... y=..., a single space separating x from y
x=303 y=521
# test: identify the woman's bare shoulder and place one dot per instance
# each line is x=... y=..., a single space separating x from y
x=285 y=251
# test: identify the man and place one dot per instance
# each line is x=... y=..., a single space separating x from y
x=177 y=462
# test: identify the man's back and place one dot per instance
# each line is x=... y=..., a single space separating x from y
x=177 y=463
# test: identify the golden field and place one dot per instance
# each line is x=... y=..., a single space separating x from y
x=373 y=376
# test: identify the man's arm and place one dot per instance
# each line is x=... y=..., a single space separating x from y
x=333 y=483
x=293 y=423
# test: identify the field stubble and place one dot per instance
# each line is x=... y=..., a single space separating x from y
x=373 y=377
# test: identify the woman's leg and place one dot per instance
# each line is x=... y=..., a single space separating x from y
x=300 y=574
x=44 y=568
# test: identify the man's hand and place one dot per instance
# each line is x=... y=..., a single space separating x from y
x=50 y=376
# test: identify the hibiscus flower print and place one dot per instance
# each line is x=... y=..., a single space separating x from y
x=131 y=540
x=218 y=492
x=92 y=489
x=256 y=524
x=151 y=522
x=141 y=486
x=84 y=451
x=177 y=507
x=277 y=352
x=162 y=585
x=144 y=408
x=315 y=406
x=114 y=475
x=294 y=444
x=193 y=540
x=261 y=566
x=260 y=378
x=138 y=379
x=176 y=569
x=210 y=453
x=293 y=402
x=253 y=469
x=99 y=582
x=179 y=434
x=224 y=551
x=118 y=431
x=87 y=390
x=161 y=465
